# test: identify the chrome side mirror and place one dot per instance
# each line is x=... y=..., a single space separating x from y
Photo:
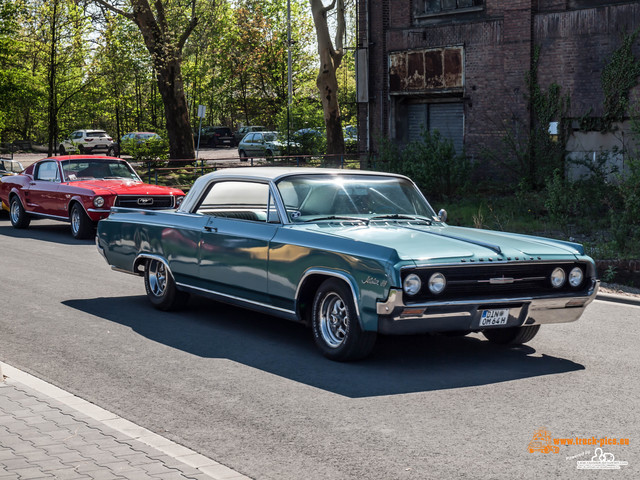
x=442 y=215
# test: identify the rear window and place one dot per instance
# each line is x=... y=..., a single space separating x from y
x=96 y=134
x=222 y=131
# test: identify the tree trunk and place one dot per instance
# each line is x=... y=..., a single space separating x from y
x=327 y=81
x=176 y=112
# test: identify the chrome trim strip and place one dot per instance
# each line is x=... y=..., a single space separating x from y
x=95 y=210
x=122 y=270
x=46 y=215
x=239 y=299
x=321 y=271
x=395 y=303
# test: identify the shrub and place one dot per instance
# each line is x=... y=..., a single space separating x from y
x=431 y=162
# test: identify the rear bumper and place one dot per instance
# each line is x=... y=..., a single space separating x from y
x=397 y=318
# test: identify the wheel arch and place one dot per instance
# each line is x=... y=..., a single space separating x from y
x=141 y=260
x=309 y=284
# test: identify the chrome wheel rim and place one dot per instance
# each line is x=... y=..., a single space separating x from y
x=334 y=320
x=15 y=212
x=75 y=221
x=157 y=278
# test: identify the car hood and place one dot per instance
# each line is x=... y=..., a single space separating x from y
x=126 y=187
x=445 y=243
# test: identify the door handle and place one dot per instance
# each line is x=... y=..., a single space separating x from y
x=210 y=229
x=32 y=183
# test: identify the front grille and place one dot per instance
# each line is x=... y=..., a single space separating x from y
x=494 y=281
x=145 y=201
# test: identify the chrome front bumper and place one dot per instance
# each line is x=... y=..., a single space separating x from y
x=396 y=317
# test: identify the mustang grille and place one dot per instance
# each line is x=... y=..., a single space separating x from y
x=496 y=281
x=145 y=201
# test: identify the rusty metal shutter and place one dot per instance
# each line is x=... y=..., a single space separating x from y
x=448 y=119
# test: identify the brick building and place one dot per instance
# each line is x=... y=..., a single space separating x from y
x=459 y=66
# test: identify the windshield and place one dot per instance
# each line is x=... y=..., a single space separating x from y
x=270 y=136
x=316 y=197
x=11 y=166
x=83 y=168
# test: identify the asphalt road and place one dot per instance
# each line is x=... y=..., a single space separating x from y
x=252 y=392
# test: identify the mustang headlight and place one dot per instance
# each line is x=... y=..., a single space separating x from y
x=412 y=284
x=575 y=277
x=437 y=283
x=558 y=278
x=179 y=201
x=98 y=202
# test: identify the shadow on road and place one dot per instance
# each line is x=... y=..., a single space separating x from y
x=397 y=365
x=45 y=230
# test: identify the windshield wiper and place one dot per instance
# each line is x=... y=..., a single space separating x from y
x=337 y=217
x=397 y=216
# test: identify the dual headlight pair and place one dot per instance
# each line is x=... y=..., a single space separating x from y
x=559 y=277
x=412 y=283
x=438 y=282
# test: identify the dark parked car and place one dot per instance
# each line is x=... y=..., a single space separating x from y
x=216 y=137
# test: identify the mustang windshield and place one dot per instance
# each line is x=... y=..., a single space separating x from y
x=328 y=197
x=83 y=168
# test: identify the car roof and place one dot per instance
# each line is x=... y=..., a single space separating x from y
x=275 y=173
x=79 y=157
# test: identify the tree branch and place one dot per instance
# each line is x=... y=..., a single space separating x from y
x=329 y=7
x=114 y=9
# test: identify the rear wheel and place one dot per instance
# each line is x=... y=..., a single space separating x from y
x=512 y=335
x=81 y=225
x=19 y=217
x=161 y=288
x=81 y=149
x=62 y=150
x=336 y=329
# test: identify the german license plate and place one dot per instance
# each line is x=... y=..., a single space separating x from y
x=491 y=318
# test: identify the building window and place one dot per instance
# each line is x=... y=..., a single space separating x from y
x=432 y=7
x=412 y=118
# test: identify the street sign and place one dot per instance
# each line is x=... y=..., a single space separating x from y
x=201 y=111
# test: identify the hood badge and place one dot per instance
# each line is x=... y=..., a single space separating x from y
x=501 y=280
x=145 y=201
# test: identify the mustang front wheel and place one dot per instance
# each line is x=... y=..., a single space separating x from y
x=336 y=329
x=161 y=288
x=19 y=218
x=81 y=224
x=511 y=335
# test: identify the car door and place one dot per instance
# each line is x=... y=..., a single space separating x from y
x=234 y=249
x=43 y=194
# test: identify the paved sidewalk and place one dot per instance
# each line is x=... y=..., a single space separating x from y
x=46 y=432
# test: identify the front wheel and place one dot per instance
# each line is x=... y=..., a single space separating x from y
x=243 y=156
x=19 y=217
x=336 y=329
x=161 y=288
x=81 y=225
x=511 y=335
x=61 y=150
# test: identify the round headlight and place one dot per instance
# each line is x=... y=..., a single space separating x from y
x=412 y=284
x=437 y=283
x=98 y=202
x=558 y=277
x=179 y=201
x=575 y=277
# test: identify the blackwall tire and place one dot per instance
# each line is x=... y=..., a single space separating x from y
x=19 y=217
x=336 y=328
x=81 y=225
x=161 y=288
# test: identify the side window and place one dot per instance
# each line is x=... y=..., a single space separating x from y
x=48 y=172
x=76 y=135
x=249 y=138
x=257 y=138
x=239 y=200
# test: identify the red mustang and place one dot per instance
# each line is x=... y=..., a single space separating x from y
x=80 y=190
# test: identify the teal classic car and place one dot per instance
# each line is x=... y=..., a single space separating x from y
x=351 y=253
